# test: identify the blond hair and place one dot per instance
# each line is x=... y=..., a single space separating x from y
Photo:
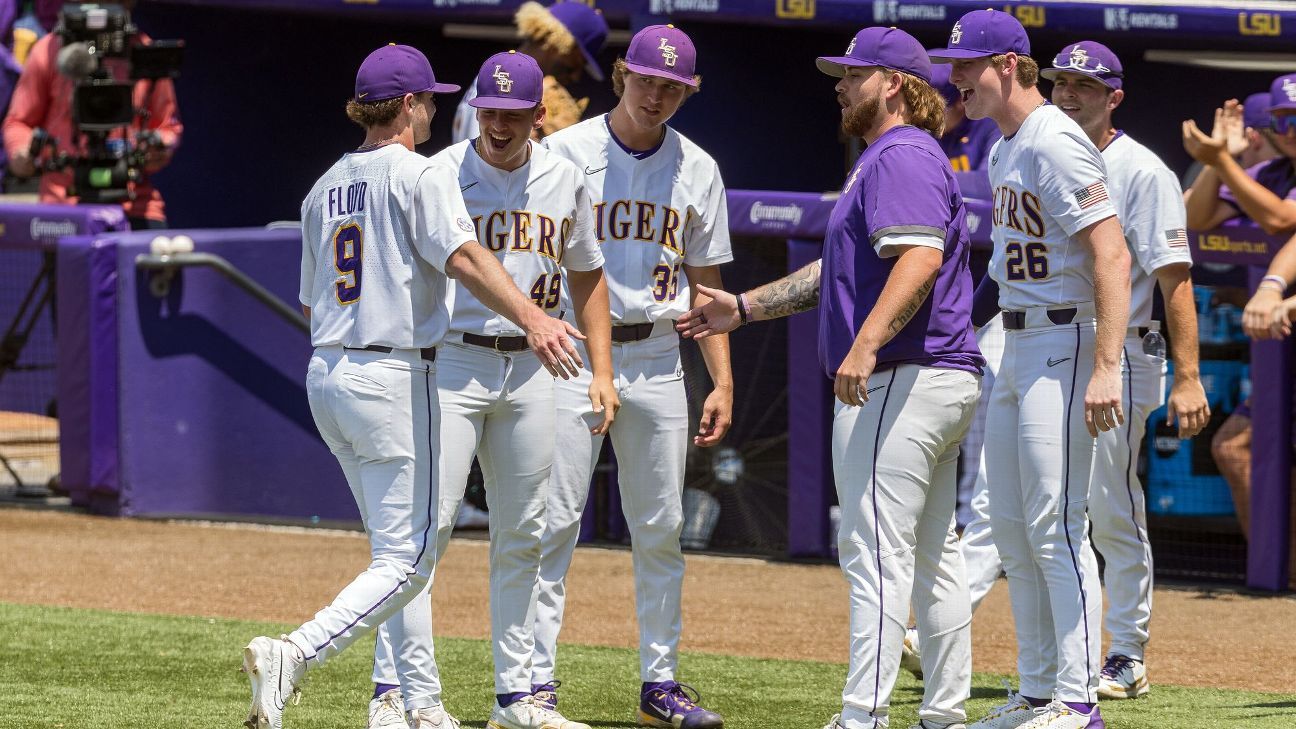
x=535 y=22
x=374 y=113
x=619 y=70
x=926 y=105
x=1027 y=69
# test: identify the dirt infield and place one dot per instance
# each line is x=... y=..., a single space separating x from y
x=731 y=606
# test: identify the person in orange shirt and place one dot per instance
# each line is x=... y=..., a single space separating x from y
x=43 y=99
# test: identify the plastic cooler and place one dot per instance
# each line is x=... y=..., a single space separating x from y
x=1182 y=478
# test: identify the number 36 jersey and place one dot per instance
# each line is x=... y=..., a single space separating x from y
x=537 y=220
x=1049 y=182
x=653 y=211
x=377 y=230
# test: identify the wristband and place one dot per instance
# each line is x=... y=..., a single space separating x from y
x=1277 y=282
x=743 y=314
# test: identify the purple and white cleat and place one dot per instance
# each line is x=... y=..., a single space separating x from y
x=672 y=705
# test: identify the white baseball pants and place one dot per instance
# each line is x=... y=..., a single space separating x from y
x=895 y=462
x=1118 y=509
x=979 y=551
x=379 y=415
x=499 y=406
x=1039 y=460
x=650 y=437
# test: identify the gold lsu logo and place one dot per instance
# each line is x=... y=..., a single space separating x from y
x=1030 y=16
x=795 y=9
x=502 y=79
x=668 y=53
x=1259 y=23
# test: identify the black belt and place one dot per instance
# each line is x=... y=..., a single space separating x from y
x=499 y=344
x=623 y=333
x=427 y=353
x=1017 y=319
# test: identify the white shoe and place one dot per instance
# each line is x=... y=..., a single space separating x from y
x=525 y=713
x=275 y=669
x=431 y=717
x=1122 y=677
x=388 y=711
x=911 y=654
x=924 y=724
x=1011 y=715
x=1057 y=715
x=834 y=722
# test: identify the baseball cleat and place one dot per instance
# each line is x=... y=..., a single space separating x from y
x=527 y=713
x=1057 y=715
x=833 y=723
x=925 y=724
x=388 y=711
x=1123 y=677
x=431 y=717
x=546 y=694
x=1011 y=715
x=911 y=654
x=673 y=705
x=275 y=669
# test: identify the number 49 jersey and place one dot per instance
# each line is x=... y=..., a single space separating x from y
x=653 y=212
x=537 y=220
x=377 y=230
x=1049 y=183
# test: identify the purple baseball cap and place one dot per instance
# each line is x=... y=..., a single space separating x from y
x=877 y=46
x=509 y=80
x=1255 y=110
x=396 y=70
x=1087 y=58
x=587 y=26
x=940 y=81
x=1282 y=93
x=663 y=51
x=982 y=33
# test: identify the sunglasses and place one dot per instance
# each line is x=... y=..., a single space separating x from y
x=1282 y=124
x=1082 y=62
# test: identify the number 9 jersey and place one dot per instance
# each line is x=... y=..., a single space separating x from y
x=1049 y=183
x=377 y=230
x=654 y=211
x=537 y=220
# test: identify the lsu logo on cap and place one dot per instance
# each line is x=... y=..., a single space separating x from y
x=850 y=47
x=502 y=79
x=668 y=53
x=1289 y=88
x=956 y=34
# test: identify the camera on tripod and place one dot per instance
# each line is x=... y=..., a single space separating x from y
x=104 y=167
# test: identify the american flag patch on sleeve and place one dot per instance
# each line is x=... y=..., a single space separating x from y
x=1177 y=238
x=1092 y=195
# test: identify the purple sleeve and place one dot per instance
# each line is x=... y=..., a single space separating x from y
x=906 y=192
x=1226 y=194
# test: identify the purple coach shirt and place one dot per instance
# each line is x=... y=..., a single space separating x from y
x=1277 y=175
x=902 y=184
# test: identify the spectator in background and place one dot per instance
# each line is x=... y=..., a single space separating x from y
x=565 y=39
x=1231 y=448
x=1266 y=192
x=1256 y=132
x=37 y=18
x=43 y=99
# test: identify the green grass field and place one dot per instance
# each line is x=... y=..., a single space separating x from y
x=100 y=670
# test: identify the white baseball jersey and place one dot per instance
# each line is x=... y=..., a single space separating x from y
x=465 y=126
x=1049 y=182
x=1150 y=204
x=653 y=213
x=536 y=219
x=377 y=230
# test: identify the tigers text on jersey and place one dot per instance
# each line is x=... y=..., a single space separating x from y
x=1049 y=182
x=653 y=212
x=1150 y=204
x=537 y=220
x=377 y=230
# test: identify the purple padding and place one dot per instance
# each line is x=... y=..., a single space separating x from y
x=1271 y=458
x=810 y=404
x=212 y=400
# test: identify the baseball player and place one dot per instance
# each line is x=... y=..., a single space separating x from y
x=531 y=209
x=1087 y=86
x=1062 y=267
x=660 y=216
x=894 y=295
x=564 y=38
x=381 y=231
x=965 y=141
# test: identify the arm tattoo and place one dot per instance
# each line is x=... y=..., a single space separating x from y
x=790 y=295
x=911 y=306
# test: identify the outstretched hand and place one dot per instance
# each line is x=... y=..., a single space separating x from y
x=717 y=316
